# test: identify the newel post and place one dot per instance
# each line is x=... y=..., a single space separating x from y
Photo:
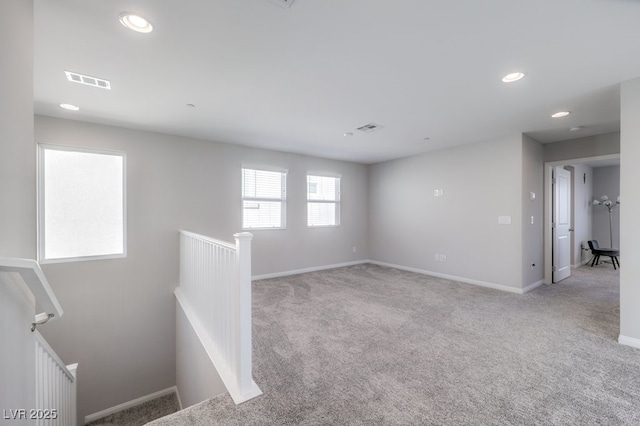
x=243 y=307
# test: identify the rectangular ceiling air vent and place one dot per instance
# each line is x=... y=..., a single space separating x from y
x=371 y=127
x=88 y=80
x=284 y=3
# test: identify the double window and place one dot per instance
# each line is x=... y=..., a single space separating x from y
x=264 y=196
x=81 y=204
x=323 y=201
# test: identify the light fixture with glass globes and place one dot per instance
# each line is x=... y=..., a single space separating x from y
x=605 y=201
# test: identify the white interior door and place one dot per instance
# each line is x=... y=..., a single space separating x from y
x=561 y=224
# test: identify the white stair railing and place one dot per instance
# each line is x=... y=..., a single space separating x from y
x=55 y=387
x=55 y=383
x=215 y=294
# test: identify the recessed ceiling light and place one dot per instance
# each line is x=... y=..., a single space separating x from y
x=69 y=107
x=575 y=129
x=514 y=76
x=560 y=114
x=135 y=22
x=348 y=134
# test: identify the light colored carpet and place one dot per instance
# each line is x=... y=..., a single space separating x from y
x=370 y=345
x=141 y=414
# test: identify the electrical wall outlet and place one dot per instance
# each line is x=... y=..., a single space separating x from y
x=504 y=220
x=354 y=249
x=440 y=257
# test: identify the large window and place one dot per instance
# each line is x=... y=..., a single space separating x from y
x=264 y=195
x=323 y=201
x=81 y=204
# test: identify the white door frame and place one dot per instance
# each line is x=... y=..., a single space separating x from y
x=548 y=206
x=561 y=231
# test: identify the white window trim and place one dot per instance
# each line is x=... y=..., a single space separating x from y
x=40 y=239
x=336 y=202
x=282 y=201
x=324 y=174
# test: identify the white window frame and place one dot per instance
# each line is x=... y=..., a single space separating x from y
x=282 y=200
x=41 y=204
x=336 y=202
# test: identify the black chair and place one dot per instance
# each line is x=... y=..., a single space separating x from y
x=597 y=252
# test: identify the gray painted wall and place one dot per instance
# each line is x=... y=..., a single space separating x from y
x=630 y=225
x=581 y=209
x=17 y=202
x=591 y=146
x=119 y=322
x=532 y=233
x=196 y=378
x=17 y=151
x=606 y=181
x=409 y=225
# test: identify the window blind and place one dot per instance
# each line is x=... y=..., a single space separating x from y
x=263 y=199
x=323 y=201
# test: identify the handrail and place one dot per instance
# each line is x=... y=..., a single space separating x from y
x=30 y=272
x=215 y=294
x=55 y=383
x=209 y=239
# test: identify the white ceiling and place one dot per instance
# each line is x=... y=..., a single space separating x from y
x=296 y=80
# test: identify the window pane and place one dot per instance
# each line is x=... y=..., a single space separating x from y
x=323 y=188
x=321 y=214
x=262 y=214
x=83 y=204
x=259 y=188
x=262 y=184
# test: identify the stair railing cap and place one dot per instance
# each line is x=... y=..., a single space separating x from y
x=243 y=236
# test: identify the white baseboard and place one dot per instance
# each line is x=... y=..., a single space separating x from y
x=180 y=406
x=306 y=270
x=582 y=263
x=527 y=289
x=532 y=287
x=121 y=407
x=629 y=341
x=456 y=278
